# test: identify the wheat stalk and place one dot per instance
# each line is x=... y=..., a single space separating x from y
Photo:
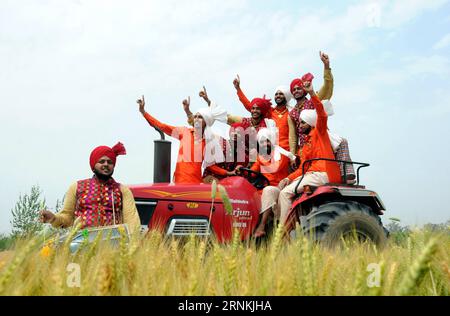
x=420 y=266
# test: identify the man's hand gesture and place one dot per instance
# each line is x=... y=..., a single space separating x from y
x=46 y=216
x=308 y=87
x=237 y=82
x=186 y=104
x=141 y=103
x=325 y=59
x=204 y=95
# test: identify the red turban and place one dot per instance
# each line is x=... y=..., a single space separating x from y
x=264 y=104
x=111 y=153
x=299 y=82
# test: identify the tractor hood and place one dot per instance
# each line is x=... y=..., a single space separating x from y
x=239 y=190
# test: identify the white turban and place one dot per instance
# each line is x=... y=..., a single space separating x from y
x=286 y=91
x=270 y=132
x=213 y=149
x=213 y=113
x=310 y=117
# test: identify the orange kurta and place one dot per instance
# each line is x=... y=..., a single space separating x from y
x=273 y=171
x=190 y=154
x=280 y=118
x=318 y=145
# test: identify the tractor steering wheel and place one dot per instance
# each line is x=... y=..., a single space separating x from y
x=257 y=179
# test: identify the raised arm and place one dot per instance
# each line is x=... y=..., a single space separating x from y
x=326 y=91
x=190 y=116
x=322 y=117
x=166 y=129
x=244 y=100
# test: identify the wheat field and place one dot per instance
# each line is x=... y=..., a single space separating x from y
x=418 y=265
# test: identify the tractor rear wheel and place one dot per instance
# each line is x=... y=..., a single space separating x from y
x=333 y=223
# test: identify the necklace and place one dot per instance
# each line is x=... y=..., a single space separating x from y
x=280 y=114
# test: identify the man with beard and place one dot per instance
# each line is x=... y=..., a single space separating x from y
x=314 y=124
x=100 y=200
x=279 y=114
x=296 y=137
x=272 y=162
x=235 y=153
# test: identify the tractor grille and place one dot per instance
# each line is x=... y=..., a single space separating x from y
x=187 y=226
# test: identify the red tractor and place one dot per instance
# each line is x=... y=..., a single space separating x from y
x=326 y=213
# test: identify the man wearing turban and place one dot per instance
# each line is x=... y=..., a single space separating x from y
x=279 y=114
x=314 y=123
x=260 y=107
x=199 y=146
x=273 y=162
x=235 y=152
x=296 y=138
x=100 y=200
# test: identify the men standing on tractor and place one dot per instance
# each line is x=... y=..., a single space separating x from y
x=194 y=142
x=100 y=200
x=314 y=124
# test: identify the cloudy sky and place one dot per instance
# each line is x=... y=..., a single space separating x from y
x=70 y=72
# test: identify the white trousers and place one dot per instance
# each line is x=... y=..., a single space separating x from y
x=269 y=199
x=287 y=194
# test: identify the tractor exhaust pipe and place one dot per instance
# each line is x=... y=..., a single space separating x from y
x=162 y=154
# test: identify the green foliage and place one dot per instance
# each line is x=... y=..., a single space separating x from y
x=398 y=233
x=26 y=213
x=5 y=242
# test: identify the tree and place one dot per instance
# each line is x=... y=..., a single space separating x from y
x=26 y=213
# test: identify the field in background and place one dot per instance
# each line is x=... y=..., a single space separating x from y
x=416 y=265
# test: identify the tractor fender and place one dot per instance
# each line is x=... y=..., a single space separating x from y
x=357 y=193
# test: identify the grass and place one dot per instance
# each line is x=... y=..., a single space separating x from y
x=155 y=266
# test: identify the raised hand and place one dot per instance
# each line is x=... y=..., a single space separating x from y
x=204 y=95
x=186 y=104
x=141 y=103
x=237 y=82
x=308 y=87
x=325 y=59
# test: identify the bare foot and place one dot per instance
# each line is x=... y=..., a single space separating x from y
x=259 y=233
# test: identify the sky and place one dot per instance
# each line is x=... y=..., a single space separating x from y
x=71 y=71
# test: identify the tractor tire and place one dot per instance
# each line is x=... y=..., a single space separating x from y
x=332 y=222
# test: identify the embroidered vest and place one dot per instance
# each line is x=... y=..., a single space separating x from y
x=295 y=117
x=95 y=201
